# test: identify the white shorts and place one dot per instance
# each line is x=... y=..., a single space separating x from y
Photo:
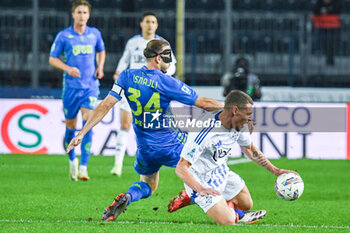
x=125 y=105
x=229 y=188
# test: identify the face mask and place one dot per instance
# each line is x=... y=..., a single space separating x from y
x=166 y=59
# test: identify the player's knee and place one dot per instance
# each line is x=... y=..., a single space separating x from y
x=248 y=204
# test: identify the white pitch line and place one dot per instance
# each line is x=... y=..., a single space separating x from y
x=238 y=161
x=163 y=223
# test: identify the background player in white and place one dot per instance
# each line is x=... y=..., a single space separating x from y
x=133 y=58
x=220 y=192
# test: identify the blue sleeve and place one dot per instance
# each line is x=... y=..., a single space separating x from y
x=100 y=45
x=57 y=46
x=118 y=87
x=176 y=90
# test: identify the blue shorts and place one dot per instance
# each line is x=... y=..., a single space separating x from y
x=74 y=99
x=149 y=159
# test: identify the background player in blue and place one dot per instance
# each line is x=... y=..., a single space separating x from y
x=79 y=45
x=149 y=91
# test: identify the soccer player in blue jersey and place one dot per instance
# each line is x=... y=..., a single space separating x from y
x=148 y=91
x=133 y=58
x=79 y=44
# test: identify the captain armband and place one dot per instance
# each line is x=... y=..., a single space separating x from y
x=118 y=90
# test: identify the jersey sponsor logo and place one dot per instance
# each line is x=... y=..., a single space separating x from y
x=186 y=89
x=220 y=153
x=82 y=49
x=70 y=36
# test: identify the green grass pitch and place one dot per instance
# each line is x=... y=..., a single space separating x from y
x=36 y=195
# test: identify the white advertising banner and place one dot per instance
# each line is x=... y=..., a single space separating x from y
x=292 y=130
x=37 y=126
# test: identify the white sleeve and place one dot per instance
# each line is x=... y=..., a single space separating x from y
x=244 y=139
x=191 y=150
x=124 y=61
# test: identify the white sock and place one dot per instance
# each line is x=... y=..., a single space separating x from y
x=82 y=168
x=122 y=139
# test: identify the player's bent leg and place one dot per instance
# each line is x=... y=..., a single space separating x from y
x=137 y=191
x=243 y=200
x=121 y=142
x=179 y=201
x=222 y=214
x=152 y=180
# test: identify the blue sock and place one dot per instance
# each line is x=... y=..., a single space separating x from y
x=68 y=136
x=85 y=147
x=139 y=190
x=240 y=213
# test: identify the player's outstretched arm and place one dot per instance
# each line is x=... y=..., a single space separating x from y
x=208 y=104
x=258 y=157
x=186 y=176
x=96 y=116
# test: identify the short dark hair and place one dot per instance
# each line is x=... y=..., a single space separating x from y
x=77 y=3
x=148 y=14
x=154 y=47
x=237 y=98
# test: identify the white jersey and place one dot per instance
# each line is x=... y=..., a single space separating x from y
x=133 y=57
x=208 y=150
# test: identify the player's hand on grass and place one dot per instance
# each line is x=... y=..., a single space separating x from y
x=99 y=73
x=74 y=142
x=208 y=191
x=74 y=72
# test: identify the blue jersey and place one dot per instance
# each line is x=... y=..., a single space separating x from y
x=79 y=51
x=149 y=93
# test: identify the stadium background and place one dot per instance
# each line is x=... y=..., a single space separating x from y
x=278 y=39
x=283 y=49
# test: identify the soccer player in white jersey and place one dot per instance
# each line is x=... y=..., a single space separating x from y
x=221 y=193
x=133 y=58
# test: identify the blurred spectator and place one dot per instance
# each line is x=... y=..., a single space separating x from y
x=327 y=23
x=241 y=79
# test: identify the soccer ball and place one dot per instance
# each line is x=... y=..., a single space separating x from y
x=289 y=186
